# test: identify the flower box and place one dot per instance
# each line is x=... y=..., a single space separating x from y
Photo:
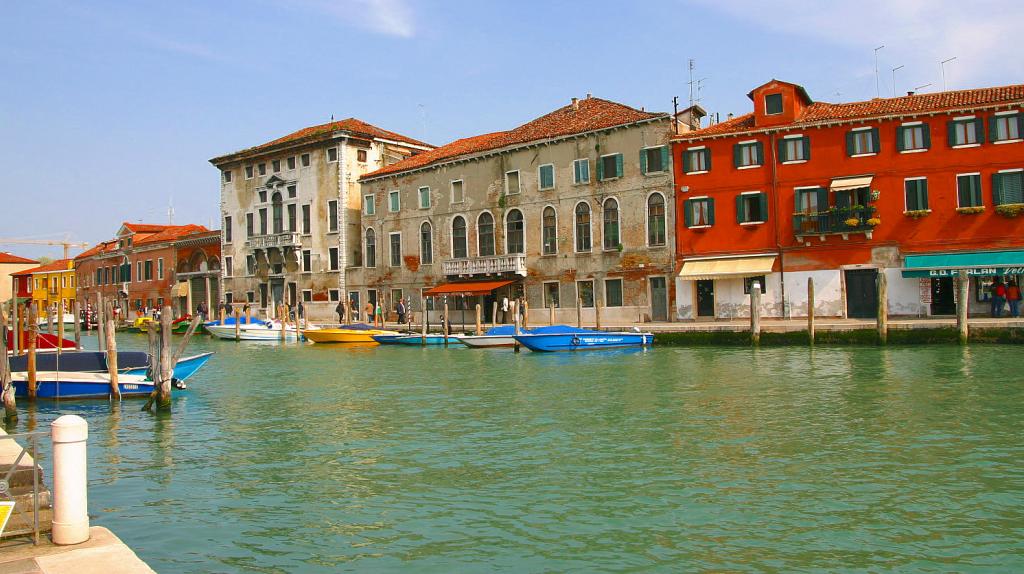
x=917 y=213
x=1010 y=209
x=970 y=210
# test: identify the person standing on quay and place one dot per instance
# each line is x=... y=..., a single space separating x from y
x=369 y=312
x=1013 y=298
x=400 y=310
x=378 y=315
x=340 y=310
x=998 y=297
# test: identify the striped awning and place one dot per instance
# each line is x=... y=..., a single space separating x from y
x=734 y=267
x=848 y=183
x=467 y=288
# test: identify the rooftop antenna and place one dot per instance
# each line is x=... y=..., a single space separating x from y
x=700 y=86
x=942 y=65
x=919 y=88
x=170 y=211
x=692 y=64
x=900 y=67
x=878 y=91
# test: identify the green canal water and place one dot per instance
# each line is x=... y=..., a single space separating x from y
x=326 y=459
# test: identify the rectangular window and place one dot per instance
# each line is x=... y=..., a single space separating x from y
x=332 y=215
x=368 y=205
x=292 y=225
x=551 y=295
x=613 y=292
x=263 y=221
x=862 y=141
x=1008 y=187
x=1006 y=127
x=512 y=182
x=138 y=271
x=304 y=159
x=227 y=176
x=149 y=270
x=546 y=176
x=250 y=264
x=794 y=148
x=609 y=167
x=811 y=200
x=424 y=194
x=263 y=196
x=752 y=207
x=549 y=231
x=916 y=193
x=394 y=201
x=305 y=219
x=912 y=137
x=697 y=160
x=307 y=295
x=699 y=212
x=291 y=192
x=291 y=162
x=307 y=261
x=968 y=190
x=160 y=268
x=772 y=104
x=581 y=171
x=262 y=169
x=748 y=283
x=457 y=195
x=333 y=254
x=395 y=243
x=334 y=295
x=227 y=229
x=585 y=293
x=248 y=225
x=965 y=132
x=748 y=154
x=654 y=159
x=361 y=156
x=332 y=154
x=250 y=296
x=248 y=172
x=229 y=268
x=276 y=164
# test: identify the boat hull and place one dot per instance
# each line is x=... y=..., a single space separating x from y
x=344 y=335
x=421 y=340
x=487 y=341
x=185 y=368
x=583 y=341
x=53 y=385
x=254 y=332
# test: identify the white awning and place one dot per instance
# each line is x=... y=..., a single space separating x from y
x=733 y=268
x=848 y=183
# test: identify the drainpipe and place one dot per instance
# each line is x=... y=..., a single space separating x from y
x=342 y=219
x=776 y=223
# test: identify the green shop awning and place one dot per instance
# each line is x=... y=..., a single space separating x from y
x=981 y=263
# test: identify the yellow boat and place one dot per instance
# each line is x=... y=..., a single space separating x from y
x=140 y=325
x=357 y=333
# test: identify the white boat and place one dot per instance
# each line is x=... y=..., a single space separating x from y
x=69 y=319
x=266 y=331
x=503 y=336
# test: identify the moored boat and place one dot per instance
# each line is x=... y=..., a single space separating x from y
x=139 y=325
x=429 y=339
x=262 y=331
x=500 y=336
x=565 y=338
x=76 y=385
x=354 y=333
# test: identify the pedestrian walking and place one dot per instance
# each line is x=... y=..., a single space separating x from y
x=504 y=309
x=400 y=310
x=340 y=310
x=369 y=312
x=998 y=297
x=1013 y=298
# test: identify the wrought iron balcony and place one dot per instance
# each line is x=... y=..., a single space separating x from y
x=288 y=239
x=496 y=265
x=841 y=220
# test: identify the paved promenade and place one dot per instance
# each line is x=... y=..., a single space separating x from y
x=103 y=553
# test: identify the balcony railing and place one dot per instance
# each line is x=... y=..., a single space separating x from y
x=515 y=263
x=835 y=221
x=276 y=240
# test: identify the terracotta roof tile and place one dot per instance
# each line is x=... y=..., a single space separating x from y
x=6 y=257
x=353 y=125
x=145 y=227
x=591 y=114
x=58 y=265
x=171 y=233
x=920 y=103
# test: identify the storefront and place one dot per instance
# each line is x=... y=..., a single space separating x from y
x=719 y=287
x=936 y=272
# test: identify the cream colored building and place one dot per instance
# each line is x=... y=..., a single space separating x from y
x=9 y=265
x=290 y=211
x=576 y=204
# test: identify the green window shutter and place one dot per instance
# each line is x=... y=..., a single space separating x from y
x=850 y=143
x=618 y=165
x=711 y=210
x=992 y=131
x=910 y=193
x=707 y=159
x=807 y=148
x=740 y=216
x=842 y=199
x=963 y=191
x=997 y=188
x=1012 y=185
x=600 y=168
x=781 y=150
x=576 y=175
x=664 y=158
x=737 y=155
x=760 y=153
x=822 y=198
x=797 y=208
x=763 y=201
x=976 y=189
x=979 y=130
x=688 y=213
x=875 y=141
x=900 y=146
x=926 y=135
x=922 y=194
x=951 y=132
x=643 y=161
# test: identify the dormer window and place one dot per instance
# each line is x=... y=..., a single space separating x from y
x=772 y=104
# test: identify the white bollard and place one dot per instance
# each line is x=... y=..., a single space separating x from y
x=70 y=491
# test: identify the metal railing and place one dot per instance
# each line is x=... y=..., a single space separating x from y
x=835 y=220
x=513 y=263
x=21 y=483
x=288 y=239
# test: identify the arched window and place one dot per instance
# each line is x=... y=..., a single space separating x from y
x=485 y=234
x=459 y=248
x=278 y=213
x=371 y=248
x=656 y=219
x=514 y=240
x=426 y=244
x=611 y=224
x=582 y=226
x=549 y=231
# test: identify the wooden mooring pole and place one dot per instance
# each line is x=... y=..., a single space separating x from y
x=111 y=345
x=237 y=327
x=962 y=283
x=810 y=310
x=447 y=324
x=60 y=330
x=33 y=328
x=423 y=320
x=494 y=314
x=163 y=399
x=755 y=313
x=6 y=386
x=579 y=312
x=883 y=307
x=78 y=325
x=515 y=328
x=479 y=328
x=551 y=313
x=100 y=327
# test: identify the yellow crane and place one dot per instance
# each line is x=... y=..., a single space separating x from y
x=66 y=244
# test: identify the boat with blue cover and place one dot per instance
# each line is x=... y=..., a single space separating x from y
x=566 y=338
x=429 y=339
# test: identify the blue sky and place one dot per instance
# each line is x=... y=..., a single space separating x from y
x=110 y=111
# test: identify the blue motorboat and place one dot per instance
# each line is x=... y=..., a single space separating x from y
x=566 y=338
x=185 y=368
x=431 y=339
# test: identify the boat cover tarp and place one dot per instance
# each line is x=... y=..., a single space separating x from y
x=231 y=321
x=43 y=341
x=357 y=327
x=81 y=361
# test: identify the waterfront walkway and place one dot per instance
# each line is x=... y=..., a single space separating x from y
x=103 y=553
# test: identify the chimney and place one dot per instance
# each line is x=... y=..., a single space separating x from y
x=728 y=117
x=910 y=93
x=575 y=103
x=588 y=95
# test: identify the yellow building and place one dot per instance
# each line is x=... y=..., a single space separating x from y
x=50 y=286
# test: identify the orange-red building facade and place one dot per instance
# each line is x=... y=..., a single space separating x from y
x=837 y=193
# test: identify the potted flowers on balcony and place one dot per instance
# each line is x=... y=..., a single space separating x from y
x=874 y=221
x=1010 y=209
x=970 y=210
x=852 y=222
x=917 y=213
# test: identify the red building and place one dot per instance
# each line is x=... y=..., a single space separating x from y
x=916 y=187
x=140 y=267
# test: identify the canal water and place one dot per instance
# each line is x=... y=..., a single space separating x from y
x=326 y=459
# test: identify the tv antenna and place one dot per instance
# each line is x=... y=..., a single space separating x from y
x=900 y=67
x=942 y=65
x=878 y=91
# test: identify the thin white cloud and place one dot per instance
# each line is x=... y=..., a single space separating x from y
x=917 y=34
x=389 y=17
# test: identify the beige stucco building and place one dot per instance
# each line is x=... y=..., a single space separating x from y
x=290 y=211
x=576 y=204
x=9 y=265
